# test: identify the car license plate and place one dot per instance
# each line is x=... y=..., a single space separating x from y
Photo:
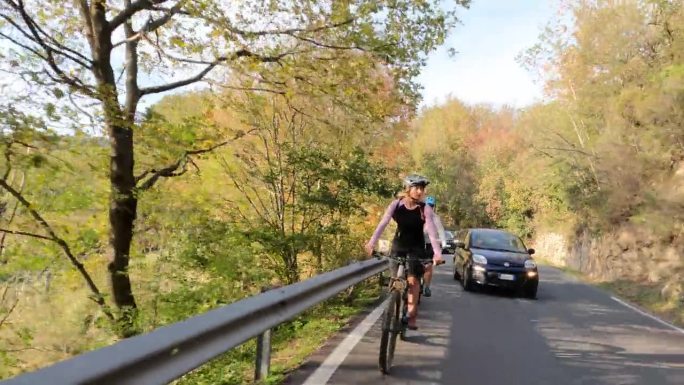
x=507 y=277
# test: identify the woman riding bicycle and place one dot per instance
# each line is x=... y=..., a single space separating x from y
x=411 y=215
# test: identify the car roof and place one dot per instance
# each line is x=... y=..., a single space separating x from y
x=484 y=230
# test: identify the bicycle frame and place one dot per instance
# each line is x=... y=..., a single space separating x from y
x=395 y=316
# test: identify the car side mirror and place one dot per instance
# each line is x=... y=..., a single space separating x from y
x=530 y=251
x=459 y=244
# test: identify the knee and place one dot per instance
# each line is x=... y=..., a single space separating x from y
x=412 y=280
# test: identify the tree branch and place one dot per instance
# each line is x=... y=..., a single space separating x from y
x=167 y=172
x=97 y=296
x=256 y=193
x=49 y=51
x=63 y=50
x=9 y=312
x=542 y=152
x=154 y=24
x=181 y=83
x=570 y=150
x=261 y=215
x=239 y=187
x=237 y=208
x=17 y=232
x=24 y=46
x=249 y=89
x=13 y=214
x=170 y=170
x=205 y=71
x=132 y=88
x=131 y=10
x=323 y=45
x=289 y=31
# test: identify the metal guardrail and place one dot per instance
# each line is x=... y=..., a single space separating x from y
x=169 y=352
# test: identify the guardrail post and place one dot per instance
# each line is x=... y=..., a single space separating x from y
x=263 y=356
x=263 y=352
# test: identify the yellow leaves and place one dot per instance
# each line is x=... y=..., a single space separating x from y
x=177 y=41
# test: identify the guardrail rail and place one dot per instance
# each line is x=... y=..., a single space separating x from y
x=169 y=352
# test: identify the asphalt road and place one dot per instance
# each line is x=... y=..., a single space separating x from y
x=572 y=334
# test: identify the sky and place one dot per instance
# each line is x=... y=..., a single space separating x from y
x=492 y=34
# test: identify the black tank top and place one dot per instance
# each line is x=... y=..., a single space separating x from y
x=409 y=234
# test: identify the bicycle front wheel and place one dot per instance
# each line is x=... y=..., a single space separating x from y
x=390 y=328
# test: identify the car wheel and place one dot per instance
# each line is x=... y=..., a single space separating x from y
x=467 y=280
x=531 y=292
x=456 y=275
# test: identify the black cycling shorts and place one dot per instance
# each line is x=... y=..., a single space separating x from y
x=428 y=250
x=414 y=265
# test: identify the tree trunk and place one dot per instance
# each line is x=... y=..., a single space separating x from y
x=122 y=213
x=291 y=267
x=122 y=202
x=318 y=252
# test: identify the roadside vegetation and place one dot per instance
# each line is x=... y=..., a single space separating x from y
x=121 y=212
x=593 y=177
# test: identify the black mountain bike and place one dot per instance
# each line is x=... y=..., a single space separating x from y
x=395 y=316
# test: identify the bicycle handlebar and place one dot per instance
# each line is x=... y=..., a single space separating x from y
x=404 y=259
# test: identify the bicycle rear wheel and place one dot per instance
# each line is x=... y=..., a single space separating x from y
x=390 y=328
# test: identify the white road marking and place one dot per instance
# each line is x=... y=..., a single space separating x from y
x=328 y=367
x=523 y=301
x=647 y=315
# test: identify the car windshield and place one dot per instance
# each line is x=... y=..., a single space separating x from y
x=449 y=235
x=497 y=240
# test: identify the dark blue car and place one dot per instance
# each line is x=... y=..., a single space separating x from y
x=495 y=258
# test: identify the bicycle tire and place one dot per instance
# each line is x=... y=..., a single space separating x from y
x=390 y=326
x=404 y=313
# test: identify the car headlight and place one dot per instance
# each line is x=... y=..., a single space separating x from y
x=480 y=259
x=530 y=264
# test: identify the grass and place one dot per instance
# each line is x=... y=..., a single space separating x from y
x=641 y=293
x=50 y=326
x=292 y=342
x=647 y=296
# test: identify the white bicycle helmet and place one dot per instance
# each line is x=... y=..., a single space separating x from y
x=415 y=180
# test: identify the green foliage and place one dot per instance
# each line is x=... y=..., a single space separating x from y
x=316 y=186
x=315 y=151
x=345 y=72
x=606 y=150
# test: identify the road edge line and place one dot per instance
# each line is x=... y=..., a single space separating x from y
x=323 y=373
x=651 y=316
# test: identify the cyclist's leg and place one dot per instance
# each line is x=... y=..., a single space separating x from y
x=414 y=287
x=427 y=276
x=415 y=271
